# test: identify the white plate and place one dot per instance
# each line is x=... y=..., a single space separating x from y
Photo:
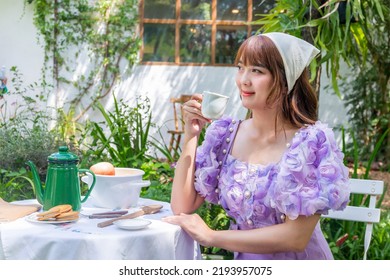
x=34 y=219
x=132 y=224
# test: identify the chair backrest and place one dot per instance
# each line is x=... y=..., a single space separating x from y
x=369 y=215
x=178 y=111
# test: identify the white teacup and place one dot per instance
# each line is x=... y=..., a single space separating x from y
x=213 y=105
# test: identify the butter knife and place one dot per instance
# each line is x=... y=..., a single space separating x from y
x=101 y=216
x=150 y=209
x=110 y=214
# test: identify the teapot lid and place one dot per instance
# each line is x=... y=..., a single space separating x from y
x=63 y=156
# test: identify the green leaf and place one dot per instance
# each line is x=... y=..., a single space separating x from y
x=375 y=152
x=335 y=84
x=379 y=9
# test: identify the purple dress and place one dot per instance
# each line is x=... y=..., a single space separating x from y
x=310 y=178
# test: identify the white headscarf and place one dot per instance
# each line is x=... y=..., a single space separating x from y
x=296 y=54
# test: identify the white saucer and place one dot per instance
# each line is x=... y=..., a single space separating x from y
x=132 y=224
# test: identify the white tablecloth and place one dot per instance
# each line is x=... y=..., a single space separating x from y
x=83 y=240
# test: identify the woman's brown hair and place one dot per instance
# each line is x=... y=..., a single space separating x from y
x=300 y=105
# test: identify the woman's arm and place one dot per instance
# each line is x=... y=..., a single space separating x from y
x=291 y=236
x=184 y=198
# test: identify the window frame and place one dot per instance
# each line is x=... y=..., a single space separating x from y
x=178 y=22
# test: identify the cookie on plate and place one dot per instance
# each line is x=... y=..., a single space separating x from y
x=68 y=216
x=53 y=212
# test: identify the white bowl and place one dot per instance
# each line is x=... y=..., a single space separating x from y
x=121 y=190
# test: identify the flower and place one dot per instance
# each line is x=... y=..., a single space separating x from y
x=341 y=240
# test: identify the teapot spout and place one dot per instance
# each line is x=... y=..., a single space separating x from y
x=37 y=182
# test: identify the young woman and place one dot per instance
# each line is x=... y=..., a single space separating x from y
x=274 y=173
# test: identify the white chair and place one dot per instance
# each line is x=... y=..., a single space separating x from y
x=369 y=215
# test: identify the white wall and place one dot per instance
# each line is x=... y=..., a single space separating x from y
x=18 y=39
x=162 y=82
x=18 y=47
x=331 y=108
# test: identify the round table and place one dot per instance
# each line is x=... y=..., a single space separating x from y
x=83 y=240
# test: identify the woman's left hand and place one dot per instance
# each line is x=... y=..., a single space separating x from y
x=194 y=226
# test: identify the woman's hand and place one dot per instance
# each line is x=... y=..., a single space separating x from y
x=193 y=118
x=194 y=226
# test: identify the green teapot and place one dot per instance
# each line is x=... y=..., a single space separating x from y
x=62 y=181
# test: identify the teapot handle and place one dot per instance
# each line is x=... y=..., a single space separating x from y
x=92 y=184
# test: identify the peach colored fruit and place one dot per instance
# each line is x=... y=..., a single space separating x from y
x=103 y=168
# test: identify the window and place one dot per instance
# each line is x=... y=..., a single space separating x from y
x=197 y=32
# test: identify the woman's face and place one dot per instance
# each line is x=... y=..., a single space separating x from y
x=254 y=83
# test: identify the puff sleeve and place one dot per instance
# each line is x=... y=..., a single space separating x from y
x=312 y=177
x=206 y=163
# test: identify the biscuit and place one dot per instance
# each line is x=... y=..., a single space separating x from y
x=61 y=208
x=68 y=216
x=53 y=212
x=47 y=216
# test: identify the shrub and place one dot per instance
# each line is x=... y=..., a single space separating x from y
x=24 y=135
x=122 y=137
